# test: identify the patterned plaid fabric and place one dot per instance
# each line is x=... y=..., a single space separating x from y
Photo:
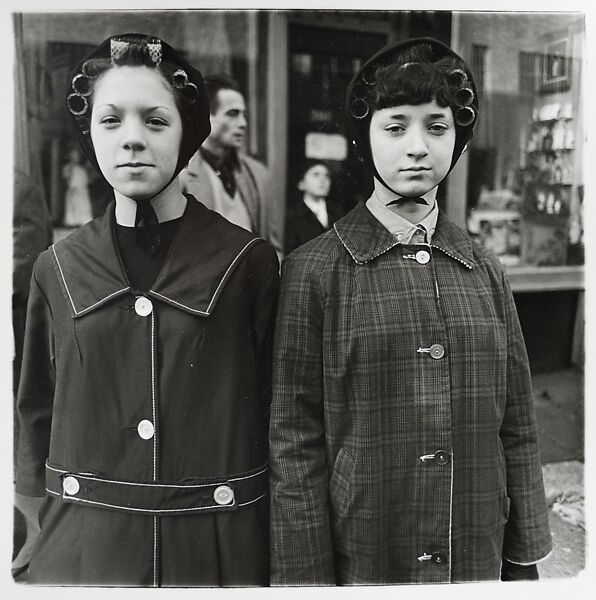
x=403 y=435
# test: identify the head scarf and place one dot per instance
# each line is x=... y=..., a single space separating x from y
x=459 y=80
x=194 y=109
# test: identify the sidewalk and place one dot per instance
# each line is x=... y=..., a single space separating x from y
x=560 y=414
x=563 y=483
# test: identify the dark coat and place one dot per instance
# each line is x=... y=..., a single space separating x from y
x=193 y=363
x=302 y=225
x=392 y=462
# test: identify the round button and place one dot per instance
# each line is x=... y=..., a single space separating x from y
x=439 y=558
x=143 y=306
x=442 y=457
x=145 y=429
x=223 y=495
x=422 y=257
x=70 y=485
x=437 y=351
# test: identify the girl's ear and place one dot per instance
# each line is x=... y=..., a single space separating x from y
x=300 y=185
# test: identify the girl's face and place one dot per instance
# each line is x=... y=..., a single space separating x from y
x=316 y=181
x=412 y=146
x=136 y=130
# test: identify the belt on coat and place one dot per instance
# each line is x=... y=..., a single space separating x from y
x=190 y=496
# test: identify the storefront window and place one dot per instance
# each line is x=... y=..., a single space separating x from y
x=525 y=180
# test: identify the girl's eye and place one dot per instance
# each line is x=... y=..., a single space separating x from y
x=109 y=120
x=395 y=129
x=156 y=122
x=438 y=128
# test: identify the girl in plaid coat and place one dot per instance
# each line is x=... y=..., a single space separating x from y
x=403 y=435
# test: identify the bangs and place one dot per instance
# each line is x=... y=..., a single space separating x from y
x=413 y=84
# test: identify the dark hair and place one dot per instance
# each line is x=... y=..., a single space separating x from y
x=414 y=72
x=413 y=83
x=137 y=56
x=307 y=165
x=219 y=81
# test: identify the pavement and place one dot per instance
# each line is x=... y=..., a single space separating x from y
x=560 y=416
x=564 y=486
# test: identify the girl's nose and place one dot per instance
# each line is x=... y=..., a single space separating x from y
x=417 y=146
x=133 y=138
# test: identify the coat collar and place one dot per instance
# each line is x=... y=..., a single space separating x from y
x=203 y=255
x=365 y=238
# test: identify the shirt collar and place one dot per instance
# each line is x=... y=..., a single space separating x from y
x=398 y=226
x=165 y=209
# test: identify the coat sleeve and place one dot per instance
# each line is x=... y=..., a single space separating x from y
x=36 y=393
x=301 y=546
x=527 y=534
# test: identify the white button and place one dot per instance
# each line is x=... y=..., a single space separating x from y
x=143 y=306
x=146 y=429
x=70 y=485
x=422 y=257
x=437 y=351
x=223 y=495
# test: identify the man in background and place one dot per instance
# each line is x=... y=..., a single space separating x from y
x=223 y=177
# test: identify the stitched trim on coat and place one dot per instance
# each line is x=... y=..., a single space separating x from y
x=206 y=313
x=152 y=510
x=360 y=262
x=527 y=564
x=463 y=262
x=78 y=313
x=155 y=524
x=363 y=262
x=216 y=480
x=253 y=501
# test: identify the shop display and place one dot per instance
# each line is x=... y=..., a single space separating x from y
x=547 y=183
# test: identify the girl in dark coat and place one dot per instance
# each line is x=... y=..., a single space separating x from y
x=311 y=214
x=403 y=434
x=145 y=387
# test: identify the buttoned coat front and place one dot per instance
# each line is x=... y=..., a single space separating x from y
x=403 y=436
x=174 y=391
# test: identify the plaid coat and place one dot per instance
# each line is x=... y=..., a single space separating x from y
x=403 y=436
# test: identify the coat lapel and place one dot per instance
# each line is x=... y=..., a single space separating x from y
x=204 y=253
x=202 y=258
x=453 y=241
x=88 y=266
x=365 y=238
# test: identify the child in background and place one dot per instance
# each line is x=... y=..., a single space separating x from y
x=311 y=214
